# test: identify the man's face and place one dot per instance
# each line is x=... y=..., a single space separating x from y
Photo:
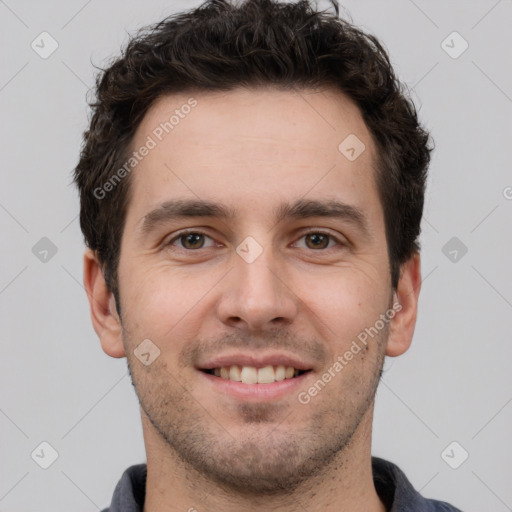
x=254 y=290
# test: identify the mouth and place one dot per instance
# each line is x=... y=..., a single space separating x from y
x=257 y=376
x=253 y=375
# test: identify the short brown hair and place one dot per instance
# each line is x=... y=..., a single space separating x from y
x=219 y=46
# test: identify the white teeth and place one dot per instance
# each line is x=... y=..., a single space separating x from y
x=234 y=373
x=249 y=375
x=253 y=375
x=280 y=372
x=266 y=375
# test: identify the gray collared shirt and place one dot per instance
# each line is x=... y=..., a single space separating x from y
x=392 y=486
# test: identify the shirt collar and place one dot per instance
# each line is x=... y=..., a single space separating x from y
x=391 y=484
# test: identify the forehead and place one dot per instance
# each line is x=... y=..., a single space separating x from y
x=247 y=147
x=304 y=118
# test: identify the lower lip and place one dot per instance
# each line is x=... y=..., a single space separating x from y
x=257 y=392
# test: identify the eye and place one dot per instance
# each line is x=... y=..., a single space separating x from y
x=320 y=240
x=190 y=240
x=193 y=240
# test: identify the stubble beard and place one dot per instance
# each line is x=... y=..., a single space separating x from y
x=266 y=458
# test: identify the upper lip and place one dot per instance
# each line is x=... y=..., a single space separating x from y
x=256 y=360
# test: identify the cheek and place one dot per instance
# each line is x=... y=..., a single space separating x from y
x=163 y=301
x=343 y=303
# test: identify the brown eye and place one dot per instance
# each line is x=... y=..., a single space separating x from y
x=321 y=241
x=318 y=240
x=190 y=240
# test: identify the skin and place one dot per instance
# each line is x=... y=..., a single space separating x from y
x=251 y=150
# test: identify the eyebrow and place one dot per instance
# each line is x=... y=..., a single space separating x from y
x=300 y=209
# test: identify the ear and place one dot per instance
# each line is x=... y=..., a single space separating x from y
x=105 y=320
x=405 y=303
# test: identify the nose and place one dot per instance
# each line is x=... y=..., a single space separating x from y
x=258 y=295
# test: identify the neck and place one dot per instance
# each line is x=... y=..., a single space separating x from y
x=345 y=485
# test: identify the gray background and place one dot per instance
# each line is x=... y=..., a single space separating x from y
x=454 y=384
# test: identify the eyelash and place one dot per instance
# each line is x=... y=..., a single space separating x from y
x=310 y=232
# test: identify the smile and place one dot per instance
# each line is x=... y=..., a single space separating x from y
x=252 y=375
